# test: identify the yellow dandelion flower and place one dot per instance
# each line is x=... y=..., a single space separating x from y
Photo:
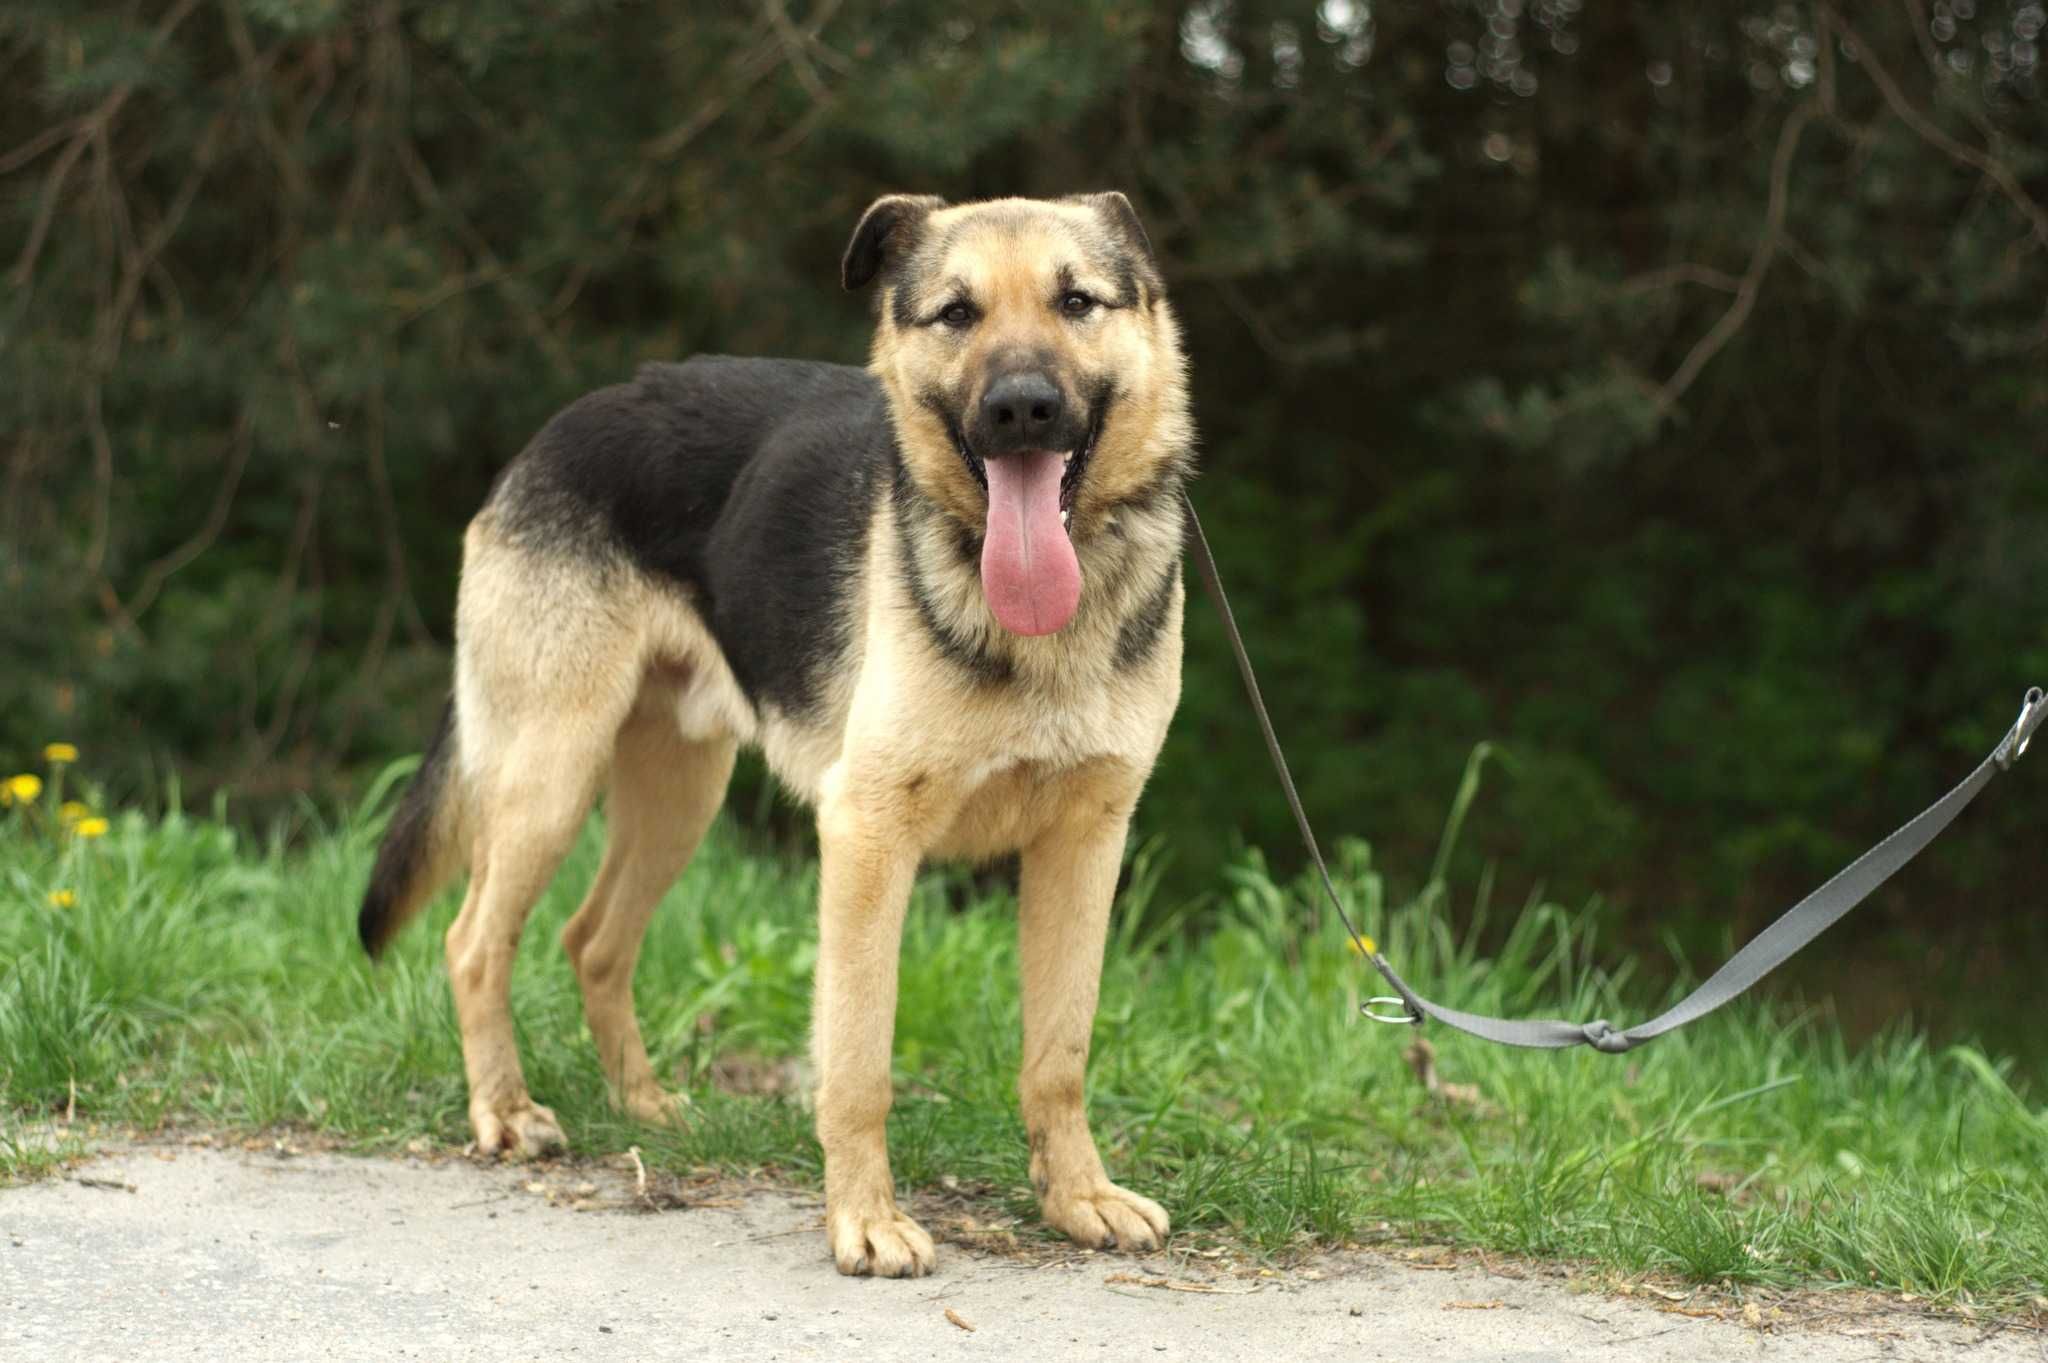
x=25 y=787
x=62 y=899
x=60 y=752
x=71 y=811
x=1363 y=946
x=90 y=828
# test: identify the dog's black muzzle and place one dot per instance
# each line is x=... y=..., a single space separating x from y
x=1025 y=410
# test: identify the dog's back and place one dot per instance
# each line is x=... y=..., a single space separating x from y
x=719 y=495
x=745 y=482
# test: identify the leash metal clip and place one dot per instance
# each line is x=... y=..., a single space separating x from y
x=2023 y=728
x=1403 y=1019
x=2034 y=702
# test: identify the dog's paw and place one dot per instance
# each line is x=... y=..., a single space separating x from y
x=656 y=1106
x=517 y=1129
x=1105 y=1216
x=879 y=1242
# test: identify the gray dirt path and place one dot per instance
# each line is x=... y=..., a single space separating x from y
x=219 y=1255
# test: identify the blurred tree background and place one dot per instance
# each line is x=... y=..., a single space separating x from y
x=1661 y=391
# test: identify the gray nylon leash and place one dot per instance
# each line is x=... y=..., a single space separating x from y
x=1764 y=953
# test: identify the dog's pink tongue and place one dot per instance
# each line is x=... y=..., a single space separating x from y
x=1028 y=570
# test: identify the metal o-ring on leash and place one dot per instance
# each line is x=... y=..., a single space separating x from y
x=1404 y=1018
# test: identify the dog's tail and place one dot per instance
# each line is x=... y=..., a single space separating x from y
x=422 y=844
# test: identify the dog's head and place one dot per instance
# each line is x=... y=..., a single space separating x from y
x=1034 y=373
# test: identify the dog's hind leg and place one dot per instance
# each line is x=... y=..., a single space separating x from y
x=548 y=664
x=665 y=790
x=528 y=815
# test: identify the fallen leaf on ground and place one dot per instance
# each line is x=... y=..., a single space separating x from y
x=755 y=1075
x=639 y=1172
x=1169 y=1285
x=1421 y=1058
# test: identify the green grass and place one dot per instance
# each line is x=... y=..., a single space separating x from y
x=204 y=977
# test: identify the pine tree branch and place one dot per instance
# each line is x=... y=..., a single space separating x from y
x=37 y=145
x=1984 y=163
x=1769 y=239
x=82 y=131
x=161 y=571
x=1923 y=33
x=794 y=50
x=506 y=281
x=1688 y=272
x=53 y=188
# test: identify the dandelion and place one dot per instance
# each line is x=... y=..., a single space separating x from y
x=58 y=753
x=1362 y=946
x=25 y=787
x=62 y=899
x=71 y=811
x=94 y=827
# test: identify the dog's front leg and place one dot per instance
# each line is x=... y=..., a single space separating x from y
x=871 y=833
x=1068 y=880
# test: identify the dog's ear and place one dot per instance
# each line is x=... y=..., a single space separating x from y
x=886 y=229
x=1116 y=210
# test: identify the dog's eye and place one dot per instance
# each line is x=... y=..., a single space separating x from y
x=1074 y=303
x=957 y=315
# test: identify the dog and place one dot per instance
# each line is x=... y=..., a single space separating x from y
x=941 y=594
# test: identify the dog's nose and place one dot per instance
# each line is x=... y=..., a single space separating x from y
x=1020 y=411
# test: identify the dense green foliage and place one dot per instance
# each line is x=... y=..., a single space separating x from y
x=197 y=974
x=1659 y=390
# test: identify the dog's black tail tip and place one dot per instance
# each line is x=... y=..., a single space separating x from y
x=373 y=924
x=411 y=858
x=395 y=880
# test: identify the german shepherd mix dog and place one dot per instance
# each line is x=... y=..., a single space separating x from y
x=942 y=595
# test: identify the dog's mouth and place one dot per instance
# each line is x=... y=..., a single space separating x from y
x=1073 y=468
x=1030 y=574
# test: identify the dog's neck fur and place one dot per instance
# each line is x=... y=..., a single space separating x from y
x=1129 y=568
